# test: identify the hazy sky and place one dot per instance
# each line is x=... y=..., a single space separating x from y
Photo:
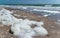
x=29 y=1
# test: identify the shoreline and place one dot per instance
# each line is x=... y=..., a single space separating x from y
x=51 y=26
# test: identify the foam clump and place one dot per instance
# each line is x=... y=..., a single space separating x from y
x=22 y=27
x=16 y=15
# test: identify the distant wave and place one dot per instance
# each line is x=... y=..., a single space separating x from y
x=48 y=11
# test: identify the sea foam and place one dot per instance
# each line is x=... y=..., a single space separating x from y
x=22 y=27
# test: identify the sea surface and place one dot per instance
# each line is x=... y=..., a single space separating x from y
x=29 y=1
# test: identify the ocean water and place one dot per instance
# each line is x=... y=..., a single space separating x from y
x=29 y=1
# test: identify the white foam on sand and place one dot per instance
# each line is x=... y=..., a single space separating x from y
x=46 y=15
x=20 y=27
x=58 y=20
x=17 y=15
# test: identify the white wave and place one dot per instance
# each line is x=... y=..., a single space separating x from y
x=48 y=11
x=24 y=7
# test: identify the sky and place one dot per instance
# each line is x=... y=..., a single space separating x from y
x=29 y=1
